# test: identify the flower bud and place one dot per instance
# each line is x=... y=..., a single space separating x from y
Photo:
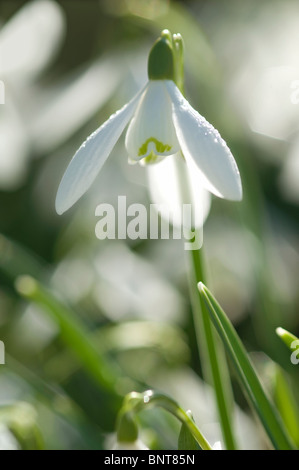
x=160 y=60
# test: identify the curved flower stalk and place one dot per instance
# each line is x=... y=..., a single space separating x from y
x=161 y=123
x=134 y=403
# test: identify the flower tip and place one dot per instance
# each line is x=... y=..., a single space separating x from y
x=166 y=34
x=240 y=192
x=200 y=286
x=239 y=195
x=234 y=191
x=59 y=206
x=280 y=331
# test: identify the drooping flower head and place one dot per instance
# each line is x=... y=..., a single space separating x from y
x=161 y=124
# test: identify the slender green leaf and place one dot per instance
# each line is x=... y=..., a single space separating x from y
x=73 y=332
x=212 y=355
x=186 y=440
x=247 y=374
x=286 y=404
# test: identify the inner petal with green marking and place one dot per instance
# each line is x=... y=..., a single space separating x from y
x=151 y=135
x=153 y=146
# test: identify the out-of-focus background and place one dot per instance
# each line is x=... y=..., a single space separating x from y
x=66 y=66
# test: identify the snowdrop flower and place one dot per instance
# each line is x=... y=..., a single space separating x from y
x=161 y=123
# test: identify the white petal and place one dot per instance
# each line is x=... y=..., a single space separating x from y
x=201 y=143
x=151 y=131
x=91 y=156
x=165 y=190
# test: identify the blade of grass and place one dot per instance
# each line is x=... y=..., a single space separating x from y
x=73 y=332
x=286 y=404
x=212 y=355
x=247 y=374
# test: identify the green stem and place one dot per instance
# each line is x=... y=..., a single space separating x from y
x=212 y=354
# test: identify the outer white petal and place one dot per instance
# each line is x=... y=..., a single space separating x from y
x=91 y=156
x=166 y=193
x=201 y=143
x=152 y=129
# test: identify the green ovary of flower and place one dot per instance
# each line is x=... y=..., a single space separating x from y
x=160 y=148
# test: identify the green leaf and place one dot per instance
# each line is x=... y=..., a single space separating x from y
x=212 y=355
x=264 y=407
x=286 y=404
x=73 y=332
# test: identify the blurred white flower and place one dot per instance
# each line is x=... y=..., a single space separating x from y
x=7 y=439
x=217 y=446
x=136 y=445
x=28 y=42
x=264 y=66
x=162 y=123
x=37 y=119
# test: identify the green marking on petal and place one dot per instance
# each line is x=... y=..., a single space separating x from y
x=150 y=159
x=160 y=147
